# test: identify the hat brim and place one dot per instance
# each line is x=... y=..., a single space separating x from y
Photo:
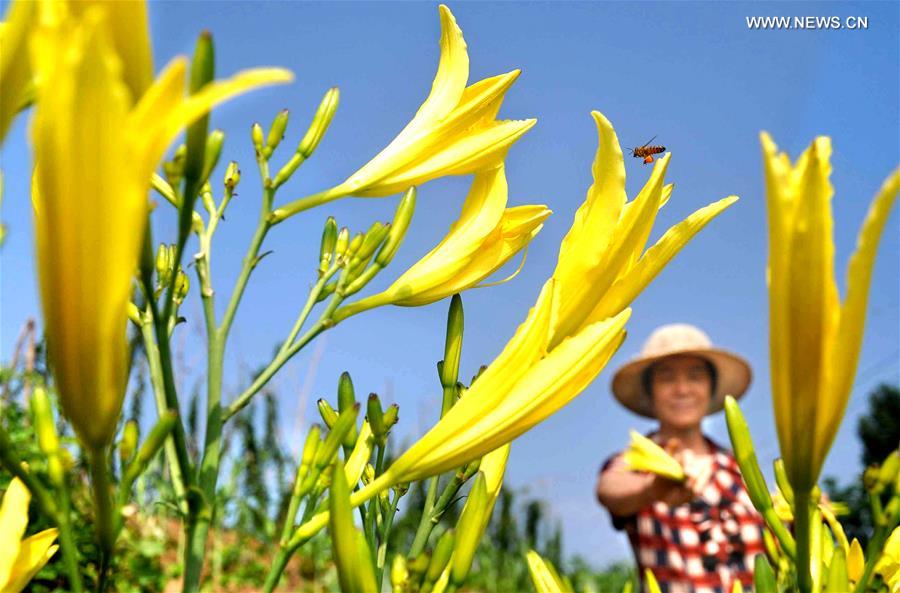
x=733 y=378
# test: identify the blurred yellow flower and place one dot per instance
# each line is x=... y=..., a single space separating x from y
x=544 y=575
x=486 y=236
x=454 y=132
x=20 y=559
x=888 y=565
x=814 y=339
x=127 y=22
x=644 y=455
x=94 y=152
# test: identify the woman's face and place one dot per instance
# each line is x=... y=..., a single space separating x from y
x=681 y=388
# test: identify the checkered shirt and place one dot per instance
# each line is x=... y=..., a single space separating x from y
x=704 y=545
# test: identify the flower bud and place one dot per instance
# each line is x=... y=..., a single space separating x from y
x=328 y=449
x=165 y=262
x=214 y=143
x=391 y=415
x=307 y=458
x=48 y=439
x=453 y=343
x=349 y=548
x=207 y=198
x=311 y=139
x=151 y=446
x=400 y=224
x=443 y=550
x=174 y=169
x=763 y=575
x=346 y=400
x=329 y=239
x=469 y=529
x=371 y=240
x=745 y=455
x=888 y=471
x=856 y=561
x=343 y=243
x=329 y=416
x=276 y=133
x=232 y=176
x=355 y=244
x=128 y=444
x=202 y=73
x=182 y=286
x=399 y=574
x=784 y=486
x=837 y=571
x=256 y=135
x=324 y=114
x=375 y=415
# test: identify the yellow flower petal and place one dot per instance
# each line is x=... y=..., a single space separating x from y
x=13 y=521
x=856 y=562
x=651 y=263
x=645 y=455
x=479 y=149
x=14 y=71
x=848 y=341
x=34 y=553
x=131 y=37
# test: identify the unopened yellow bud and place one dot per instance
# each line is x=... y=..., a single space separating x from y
x=856 y=561
x=258 y=138
x=324 y=114
x=214 y=143
x=469 y=530
x=329 y=416
x=453 y=343
x=182 y=286
x=128 y=444
x=343 y=243
x=400 y=224
x=399 y=574
x=276 y=133
x=329 y=240
x=443 y=550
x=232 y=175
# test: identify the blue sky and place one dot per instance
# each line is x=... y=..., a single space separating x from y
x=691 y=73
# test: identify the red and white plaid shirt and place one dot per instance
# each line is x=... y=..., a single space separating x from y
x=702 y=546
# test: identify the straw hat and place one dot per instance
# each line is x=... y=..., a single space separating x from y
x=733 y=372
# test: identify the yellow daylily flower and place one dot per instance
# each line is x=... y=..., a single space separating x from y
x=27 y=18
x=483 y=239
x=814 y=339
x=14 y=72
x=454 y=132
x=95 y=151
x=544 y=575
x=888 y=566
x=560 y=348
x=20 y=559
x=602 y=264
x=644 y=455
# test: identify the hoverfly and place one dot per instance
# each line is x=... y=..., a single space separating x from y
x=646 y=151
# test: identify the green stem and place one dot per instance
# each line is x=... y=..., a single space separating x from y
x=425 y=524
x=157 y=383
x=279 y=563
x=385 y=535
x=103 y=507
x=802 y=537
x=67 y=543
x=297 y=206
x=282 y=357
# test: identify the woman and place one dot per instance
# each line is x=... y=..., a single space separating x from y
x=701 y=536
